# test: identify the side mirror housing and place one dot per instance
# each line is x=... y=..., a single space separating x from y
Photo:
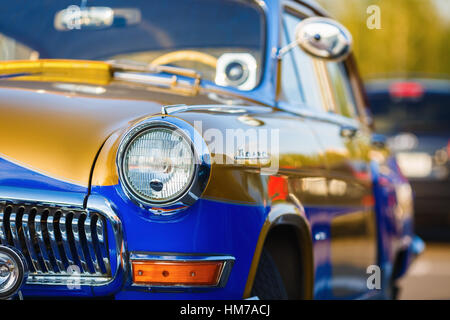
x=321 y=38
x=324 y=38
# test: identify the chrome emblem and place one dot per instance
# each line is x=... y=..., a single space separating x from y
x=256 y=157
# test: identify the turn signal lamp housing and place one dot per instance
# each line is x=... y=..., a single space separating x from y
x=177 y=271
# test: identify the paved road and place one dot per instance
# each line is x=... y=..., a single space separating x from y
x=429 y=276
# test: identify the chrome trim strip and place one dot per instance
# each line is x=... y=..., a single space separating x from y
x=22 y=195
x=32 y=256
x=231 y=109
x=169 y=109
x=64 y=280
x=14 y=230
x=95 y=227
x=3 y=239
x=65 y=240
x=223 y=277
x=53 y=242
x=88 y=231
x=41 y=243
x=78 y=244
x=104 y=207
x=101 y=239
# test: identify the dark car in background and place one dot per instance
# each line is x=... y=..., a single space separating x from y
x=415 y=117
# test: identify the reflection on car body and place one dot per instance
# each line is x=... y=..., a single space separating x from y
x=414 y=115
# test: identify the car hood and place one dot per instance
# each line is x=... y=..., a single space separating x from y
x=58 y=128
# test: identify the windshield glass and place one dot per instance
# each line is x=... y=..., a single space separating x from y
x=222 y=39
x=429 y=113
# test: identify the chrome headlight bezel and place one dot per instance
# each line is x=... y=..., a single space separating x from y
x=14 y=271
x=202 y=165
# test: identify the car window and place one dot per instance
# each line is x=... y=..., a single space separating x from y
x=342 y=90
x=299 y=86
x=204 y=35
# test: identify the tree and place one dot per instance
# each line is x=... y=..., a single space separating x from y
x=414 y=36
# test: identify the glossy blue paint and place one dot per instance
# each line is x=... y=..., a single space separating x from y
x=321 y=220
x=208 y=227
x=212 y=227
x=15 y=175
x=393 y=233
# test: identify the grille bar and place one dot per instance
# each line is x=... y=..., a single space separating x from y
x=30 y=253
x=65 y=241
x=54 y=243
x=41 y=241
x=14 y=230
x=90 y=244
x=3 y=239
x=76 y=218
x=55 y=240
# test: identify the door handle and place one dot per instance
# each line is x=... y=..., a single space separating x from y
x=348 y=131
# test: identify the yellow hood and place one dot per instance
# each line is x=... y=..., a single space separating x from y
x=60 y=134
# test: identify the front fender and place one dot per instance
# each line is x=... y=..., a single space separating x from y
x=291 y=214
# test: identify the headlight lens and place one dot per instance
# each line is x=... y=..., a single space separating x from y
x=159 y=164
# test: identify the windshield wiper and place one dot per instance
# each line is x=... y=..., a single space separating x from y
x=142 y=73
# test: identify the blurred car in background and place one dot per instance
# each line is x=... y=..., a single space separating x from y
x=414 y=115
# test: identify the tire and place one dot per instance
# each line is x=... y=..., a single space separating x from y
x=393 y=292
x=268 y=284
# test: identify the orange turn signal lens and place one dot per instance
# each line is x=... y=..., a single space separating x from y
x=177 y=273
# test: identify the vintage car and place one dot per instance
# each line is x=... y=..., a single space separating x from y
x=413 y=113
x=192 y=149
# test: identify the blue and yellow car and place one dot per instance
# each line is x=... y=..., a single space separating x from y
x=192 y=149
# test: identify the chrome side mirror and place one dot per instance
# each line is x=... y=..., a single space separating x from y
x=322 y=38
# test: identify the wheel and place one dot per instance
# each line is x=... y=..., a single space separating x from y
x=268 y=284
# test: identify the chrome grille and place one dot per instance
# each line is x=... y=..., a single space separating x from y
x=57 y=242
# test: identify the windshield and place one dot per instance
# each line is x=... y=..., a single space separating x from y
x=428 y=113
x=222 y=39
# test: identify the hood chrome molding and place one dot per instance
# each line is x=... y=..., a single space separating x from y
x=171 y=109
x=166 y=110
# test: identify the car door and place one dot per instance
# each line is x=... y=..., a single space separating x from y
x=346 y=141
x=338 y=204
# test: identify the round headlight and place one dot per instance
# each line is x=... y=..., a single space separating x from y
x=13 y=271
x=158 y=164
